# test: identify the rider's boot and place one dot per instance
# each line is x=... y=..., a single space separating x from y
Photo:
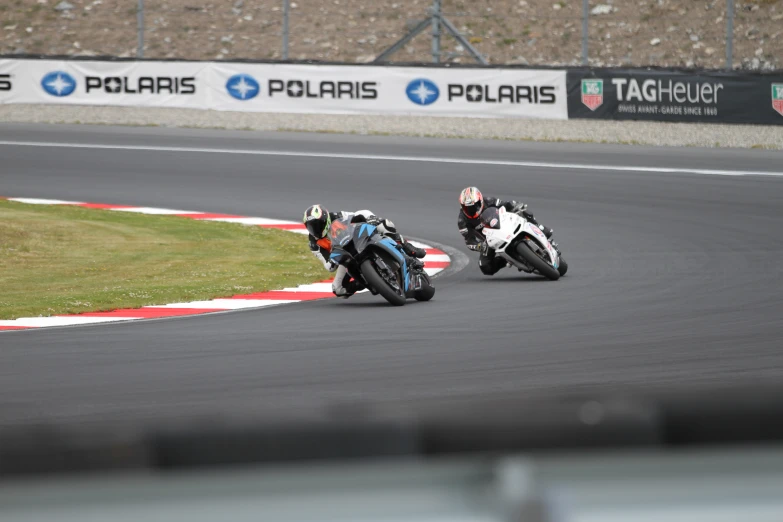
x=349 y=288
x=358 y=286
x=414 y=263
x=412 y=250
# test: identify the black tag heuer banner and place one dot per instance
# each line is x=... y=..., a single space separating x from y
x=704 y=97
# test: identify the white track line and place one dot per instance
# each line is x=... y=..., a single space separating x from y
x=430 y=159
x=432 y=258
x=251 y=221
x=313 y=287
x=42 y=322
x=154 y=211
x=229 y=304
x=39 y=201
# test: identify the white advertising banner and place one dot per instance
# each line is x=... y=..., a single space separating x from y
x=287 y=88
x=389 y=90
x=129 y=84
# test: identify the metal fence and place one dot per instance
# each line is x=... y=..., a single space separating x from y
x=673 y=33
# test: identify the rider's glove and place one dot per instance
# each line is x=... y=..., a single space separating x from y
x=479 y=247
x=331 y=266
x=374 y=221
x=520 y=207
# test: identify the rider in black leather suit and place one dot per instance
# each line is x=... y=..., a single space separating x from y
x=472 y=204
x=317 y=219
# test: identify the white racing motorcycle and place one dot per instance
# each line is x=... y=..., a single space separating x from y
x=521 y=243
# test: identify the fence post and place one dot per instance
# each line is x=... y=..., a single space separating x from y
x=729 y=34
x=140 y=29
x=436 y=31
x=585 y=15
x=285 y=29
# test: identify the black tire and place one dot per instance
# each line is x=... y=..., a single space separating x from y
x=376 y=281
x=544 y=268
x=427 y=291
x=562 y=267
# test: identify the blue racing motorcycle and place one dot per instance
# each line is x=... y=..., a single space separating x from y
x=377 y=262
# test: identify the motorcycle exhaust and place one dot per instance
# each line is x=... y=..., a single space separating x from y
x=516 y=263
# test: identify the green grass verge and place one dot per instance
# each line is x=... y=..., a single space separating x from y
x=64 y=259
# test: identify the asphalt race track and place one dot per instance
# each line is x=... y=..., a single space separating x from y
x=674 y=283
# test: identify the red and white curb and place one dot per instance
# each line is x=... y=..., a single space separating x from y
x=435 y=261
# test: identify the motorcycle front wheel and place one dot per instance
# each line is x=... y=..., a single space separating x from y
x=543 y=267
x=392 y=295
x=562 y=267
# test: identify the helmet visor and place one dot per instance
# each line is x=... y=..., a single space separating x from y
x=472 y=211
x=315 y=227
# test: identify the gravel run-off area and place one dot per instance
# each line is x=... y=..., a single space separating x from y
x=632 y=132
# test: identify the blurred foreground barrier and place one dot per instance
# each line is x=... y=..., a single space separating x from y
x=434 y=428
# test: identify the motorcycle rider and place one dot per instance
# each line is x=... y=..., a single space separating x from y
x=472 y=204
x=318 y=219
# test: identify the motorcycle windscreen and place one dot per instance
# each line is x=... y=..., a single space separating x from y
x=341 y=232
x=490 y=218
x=362 y=235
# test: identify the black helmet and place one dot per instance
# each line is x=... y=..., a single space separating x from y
x=317 y=221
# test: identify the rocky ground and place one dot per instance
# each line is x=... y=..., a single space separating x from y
x=688 y=33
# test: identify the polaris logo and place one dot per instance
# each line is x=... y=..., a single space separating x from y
x=324 y=89
x=58 y=83
x=142 y=85
x=422 y=91
x=5 y=82
x=530 y=94
x=661 y=91
x=243 y=87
